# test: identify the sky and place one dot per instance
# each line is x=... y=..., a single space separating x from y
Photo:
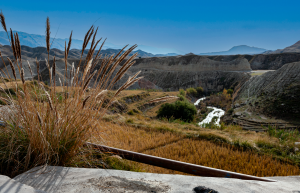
x=176 y=26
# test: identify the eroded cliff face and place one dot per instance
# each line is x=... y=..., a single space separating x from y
x=173 y=73
x=191 y=63
x=211 y=81
x=274 y=93
x=262 y=61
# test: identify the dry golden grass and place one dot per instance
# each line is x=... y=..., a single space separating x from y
x=174 y=146
x=153 y=95
x=47 y=127
x=231 y=133
x=211 y=155
x=134 y=139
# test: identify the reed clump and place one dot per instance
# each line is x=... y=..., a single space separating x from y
x=49 y=128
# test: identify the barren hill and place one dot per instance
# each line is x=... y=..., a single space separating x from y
x=295 y=48
x=274 y=93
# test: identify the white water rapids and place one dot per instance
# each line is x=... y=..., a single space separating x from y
x=215 y=113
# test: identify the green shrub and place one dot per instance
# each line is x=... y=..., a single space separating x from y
x=230 y=111
x=135 y=111
x=229 y=91
x=130 y=112
x=284 y=135
x=200 y=91
x=129 y=121
x=181 y=98
x=179 y=110
x=181 y=92
x=192 y=92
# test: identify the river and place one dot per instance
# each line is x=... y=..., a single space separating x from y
x=215 y=113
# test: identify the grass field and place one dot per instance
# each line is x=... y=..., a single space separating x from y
x=192 y=150
x=228 y=149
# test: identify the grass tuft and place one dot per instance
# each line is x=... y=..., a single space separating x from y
x=46 y=127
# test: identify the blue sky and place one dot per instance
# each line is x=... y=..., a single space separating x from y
x=183 y=26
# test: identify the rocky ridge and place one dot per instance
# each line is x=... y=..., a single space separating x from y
x=262 y=61
x=274 y=93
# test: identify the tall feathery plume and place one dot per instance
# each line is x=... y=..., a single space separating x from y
x=85 y=42
x=66 y=58
x=13 y=44
x=48 y=35
x=3 y=23
x=101 y=94
x=23 y=80
x=18 y=46
x=53 y=72
x=60 y=82
x=47 y=64
x=22 y=75
x=97 y=55
x=84 y=101
x=123 y=71
x=48 y=39
x=50 y=76
x=37 y=68
x=69 y=43
x=61 y=85
x=39 y=117
x=72 y=69
x=30 y=68
x=92 y=48
x=86 y=39
x=72 y=81
x=12 y=68
x=87 y=68
x=97 y=58
x=88 y=81
x=48 y=97
x=2 y=20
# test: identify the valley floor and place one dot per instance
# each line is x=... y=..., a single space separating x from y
x=228 y=148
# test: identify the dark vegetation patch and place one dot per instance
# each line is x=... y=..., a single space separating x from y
x=179 y=110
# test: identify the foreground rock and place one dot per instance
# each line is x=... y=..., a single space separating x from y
x=8 y=185
x=63 y=179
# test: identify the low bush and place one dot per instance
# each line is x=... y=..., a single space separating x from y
x=284 y=135
x=229 y=91
x=179 y=110
x=181 y=92
x=200 y=91
x=130 y=112
x=230 y=111
x=192 y=92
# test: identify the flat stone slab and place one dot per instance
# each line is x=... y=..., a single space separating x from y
x=64 y=179
x=8 y=185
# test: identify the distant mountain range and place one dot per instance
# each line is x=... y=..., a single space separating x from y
x=290 y=49
x=242 y=49
x=34 y=40
x=29 y=53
